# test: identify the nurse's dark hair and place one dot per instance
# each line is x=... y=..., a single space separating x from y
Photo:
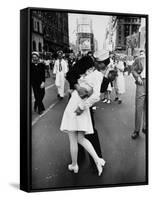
x=84 y=64
x=79 y=68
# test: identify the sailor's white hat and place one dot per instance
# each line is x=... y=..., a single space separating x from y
x=101 y=55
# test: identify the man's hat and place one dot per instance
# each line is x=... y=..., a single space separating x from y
x=101 y=55
x=60 y=52
x=35 y=53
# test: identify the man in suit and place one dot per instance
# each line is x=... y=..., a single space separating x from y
x=38 y=82
x=139 y=74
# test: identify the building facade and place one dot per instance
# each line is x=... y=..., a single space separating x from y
x=118 y=29
x=126 y=26
x=137 y=41
x=37 y=33
x=56 y=34
x=50 y=31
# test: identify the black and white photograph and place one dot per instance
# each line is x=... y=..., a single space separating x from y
x=88 y=99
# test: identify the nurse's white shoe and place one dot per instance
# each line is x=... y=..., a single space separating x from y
x=73 y=168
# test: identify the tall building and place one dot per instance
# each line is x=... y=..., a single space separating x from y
x=50 y=31
x=137 y=40
x=142 y=34
x=125 y=26
x=37 y=32
x=56 y=34
x=118 y=29
x=85 y=36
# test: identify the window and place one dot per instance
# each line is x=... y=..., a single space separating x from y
x=32 y=24
x=35 y=25
x=34 y=45
x=38 y=27
x=40 y=47
x=127 y=27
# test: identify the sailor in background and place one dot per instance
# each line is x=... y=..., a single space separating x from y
x=38 y=82
x=60 y=70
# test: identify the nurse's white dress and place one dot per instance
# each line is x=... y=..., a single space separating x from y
x=71 y=122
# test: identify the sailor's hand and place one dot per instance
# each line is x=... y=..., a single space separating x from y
x=42 y=85
x=139 y=80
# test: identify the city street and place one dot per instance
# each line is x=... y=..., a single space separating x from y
x=125 y=158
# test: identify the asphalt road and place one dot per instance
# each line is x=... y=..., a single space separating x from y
x=125 y=158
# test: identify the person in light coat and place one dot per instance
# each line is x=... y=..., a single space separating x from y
x=119 y=83
x=60 y=70
x=139 y=74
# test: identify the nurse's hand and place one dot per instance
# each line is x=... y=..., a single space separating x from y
x=78 y=111
x=81 y=91
x=42 y=85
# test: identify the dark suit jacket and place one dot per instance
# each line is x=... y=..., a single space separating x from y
x=137 y=67
x=37 y=74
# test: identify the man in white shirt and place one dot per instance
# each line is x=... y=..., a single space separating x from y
x=60 y=70
x=139 y=74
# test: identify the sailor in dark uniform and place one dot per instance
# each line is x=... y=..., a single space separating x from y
x=38 y=82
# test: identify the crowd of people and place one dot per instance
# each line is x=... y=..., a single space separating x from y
x=89 y=76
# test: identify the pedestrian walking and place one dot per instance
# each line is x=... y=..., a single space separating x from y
x=139 y=74
x=47 y=67
x=107 y=93
x=60 y=70
x=38 y=82
x=76 y=119
x=119 y=83
x=129 y=63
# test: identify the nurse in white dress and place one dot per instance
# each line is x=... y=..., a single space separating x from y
x=76 y=119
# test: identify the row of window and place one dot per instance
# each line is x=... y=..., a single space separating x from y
x=55 y=35
x=132 y=20
x=37 y=26
x=56 y=20
x=129 y=19
x=34 y=47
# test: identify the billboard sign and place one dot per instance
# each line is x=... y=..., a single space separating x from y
x=85 y=43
